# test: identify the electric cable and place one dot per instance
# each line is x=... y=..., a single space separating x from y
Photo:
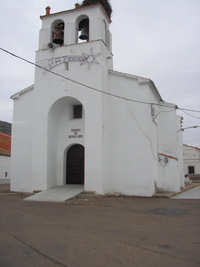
x=162 y=112
x=95 y=89
x=190 y=115
x=191 y=110
x=138 y=124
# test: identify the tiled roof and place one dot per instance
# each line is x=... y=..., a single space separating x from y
x=192 y=147
x=168 y=156
x=5 y=143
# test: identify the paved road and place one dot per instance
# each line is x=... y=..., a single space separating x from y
x=190 y=194
x=107 y=231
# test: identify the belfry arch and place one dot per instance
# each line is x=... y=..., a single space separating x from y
x=82 y=28
x=57 y=32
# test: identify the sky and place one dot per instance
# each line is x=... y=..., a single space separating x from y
x=155 y=39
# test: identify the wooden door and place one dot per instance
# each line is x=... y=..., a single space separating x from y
x=75 y=165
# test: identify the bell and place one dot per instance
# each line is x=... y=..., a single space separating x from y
x=84 y=34
x=58 y=35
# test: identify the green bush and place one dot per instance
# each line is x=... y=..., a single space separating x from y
x=105 y=3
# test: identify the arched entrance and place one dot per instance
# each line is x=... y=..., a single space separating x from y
x=63 y=120
x=75 y=165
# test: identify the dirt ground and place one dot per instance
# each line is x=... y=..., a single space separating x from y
x=104 y=231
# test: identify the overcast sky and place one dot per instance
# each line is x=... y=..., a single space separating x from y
x=156 y=39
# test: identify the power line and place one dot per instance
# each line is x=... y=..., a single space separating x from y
x=186 y=128
x=191 y=110
x=190 y=114
x=138 y=124
x=92 y=88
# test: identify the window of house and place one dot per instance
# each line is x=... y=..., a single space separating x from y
x=77 y=111
x=191 y=169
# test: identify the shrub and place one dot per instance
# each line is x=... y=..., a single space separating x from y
x=105 y=3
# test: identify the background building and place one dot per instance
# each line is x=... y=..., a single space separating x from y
x=5 y=147
x=191 y=157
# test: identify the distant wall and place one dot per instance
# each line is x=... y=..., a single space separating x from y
x=4 y=170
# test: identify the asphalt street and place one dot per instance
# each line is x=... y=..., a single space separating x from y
x=104 y=231
x=193 y=193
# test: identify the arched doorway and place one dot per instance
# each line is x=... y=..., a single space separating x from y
x=75 y=165
x=62 y=121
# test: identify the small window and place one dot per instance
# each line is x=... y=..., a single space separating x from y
x=190 y=169
x=77 y=111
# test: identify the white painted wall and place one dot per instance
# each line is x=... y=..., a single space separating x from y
x=130 y=148
x=4 y=169
x=180 y=152
x=21 y=144
x=53 y=89
x=167 y=129
x=168 y=175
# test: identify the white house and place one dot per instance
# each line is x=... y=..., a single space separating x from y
x=191 y=159
x=5 y=144
x=84 y=123
x=4 y=169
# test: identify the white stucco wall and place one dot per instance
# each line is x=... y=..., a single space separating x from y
x=4 y=169
x=131 y=144
x=168 y=175
x=180 y=152
x=167 y=127
x=21 y=145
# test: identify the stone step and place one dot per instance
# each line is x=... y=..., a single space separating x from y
x=196 y=181
x=57 y=193
x=87 y=195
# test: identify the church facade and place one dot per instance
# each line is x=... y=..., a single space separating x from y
x=84 y=123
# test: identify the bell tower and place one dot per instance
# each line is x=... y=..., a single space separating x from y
x=84 y=24
x=75 y=53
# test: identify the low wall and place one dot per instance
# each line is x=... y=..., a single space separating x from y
x=5 y=181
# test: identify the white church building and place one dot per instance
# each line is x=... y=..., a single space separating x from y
x=84 y=123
